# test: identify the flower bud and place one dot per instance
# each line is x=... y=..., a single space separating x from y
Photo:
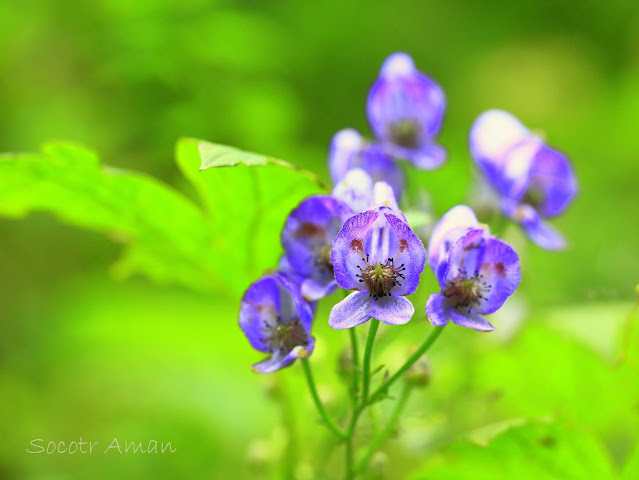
x=418 y=375
x=345 y=364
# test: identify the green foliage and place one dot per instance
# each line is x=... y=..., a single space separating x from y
x=535 y=450
x=245 y=205
x=167 y=237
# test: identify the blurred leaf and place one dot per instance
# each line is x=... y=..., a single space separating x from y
x=168 y=238
x=248 y=205
x=536 y=450
x=543 y=372
x=631 y=468
x=164 y=232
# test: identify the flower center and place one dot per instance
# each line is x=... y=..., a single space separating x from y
x=534 y=196
x=323 y=260
x=464 y=291
x=380 y=277
x=284 y=337
x=405 y=133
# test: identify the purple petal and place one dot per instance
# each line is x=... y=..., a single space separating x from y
x=493 y=135
x=355 y=190
x=539 y=231
x=277 y=362
x=552 y=179
x=470 y=320
x=466 y=255
x=351 y=311
x=374 y=161
x=260 y=305
x=392 y=310
x=268 y=302
x=309 y=229
x=455 y=223
x=313 y=290
x=345 y=146
x=410 y=252
x=292 y=305
x=500 y=270
x=350 y=150
x=404 y=100
x=437 y=310
x=347 y=252
x=428 y=157
x=383 y=195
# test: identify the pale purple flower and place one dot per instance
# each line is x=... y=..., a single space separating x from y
x=534 y=180
x=377 y=255
x=277 y=320
x=350 y=150
x=476 y=271
x=307 y=237
x=405 y=110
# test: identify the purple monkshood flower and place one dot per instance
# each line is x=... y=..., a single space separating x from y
x=476 y=271
x=350 y=150
x=307 y=237
x=377 y=254
x=355 y=190
x=405 y=110
x=534 y=180
x=277 y=320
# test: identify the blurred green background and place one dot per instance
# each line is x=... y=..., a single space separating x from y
x=82 y=355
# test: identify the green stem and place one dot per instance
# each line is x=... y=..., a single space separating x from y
x=434 y=335
x=318 y=402
x=372 y=331
x=289 y=423
x=358 y=409
x=388 y=430
x=355 y=373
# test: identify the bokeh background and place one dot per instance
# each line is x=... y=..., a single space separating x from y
x=83 y=355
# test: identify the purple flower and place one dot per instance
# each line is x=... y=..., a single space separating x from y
x=350 y=150
x=535 y=181
x=450 y=228
x=355 y=190
x=277 y=320
x=405 y=110
x=307 y=237
x=476 y=271
x=378 y=255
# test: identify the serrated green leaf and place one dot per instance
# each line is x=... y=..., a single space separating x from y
x=163 y=231
x=535 y=450
x=168 y=238
x=246 y=204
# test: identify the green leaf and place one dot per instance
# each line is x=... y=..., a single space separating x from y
x=164 y=232
x=535 y=450
x=246 y=204
x=168 y=238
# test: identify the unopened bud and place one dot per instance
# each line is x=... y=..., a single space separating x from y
x=418 y=375
x=345 y=365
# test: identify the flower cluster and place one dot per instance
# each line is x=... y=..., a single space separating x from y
x=357 y=237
